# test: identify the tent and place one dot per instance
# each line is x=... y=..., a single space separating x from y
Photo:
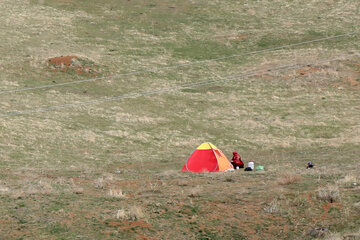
x=207 y=158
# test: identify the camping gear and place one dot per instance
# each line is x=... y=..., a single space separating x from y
x=251 y=165
x=260 y=168
x=207 y=158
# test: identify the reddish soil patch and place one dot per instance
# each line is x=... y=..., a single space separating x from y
x=302 y=72
x=62 y=61
x=74 y=63
x=81 y=180
x=127 y=183
x=5 y=221
x=129 y=225
x=309 y=198
x=240 y=37
x=308 y=70
x=265 y=75
x=143 y=237
x=327 y=206
x=352 y=81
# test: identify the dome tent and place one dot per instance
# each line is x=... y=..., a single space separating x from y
x=207 y=158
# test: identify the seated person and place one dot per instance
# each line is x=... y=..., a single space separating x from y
x=236 y=161
x=310 y=165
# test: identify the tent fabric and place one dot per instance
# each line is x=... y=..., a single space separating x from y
x=207 y=158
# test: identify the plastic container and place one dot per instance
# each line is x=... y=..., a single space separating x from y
x=251 y=165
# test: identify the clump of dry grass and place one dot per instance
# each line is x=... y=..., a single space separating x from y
x=334 y=236
x=349 y=181
x=133 y=213
x=116 y=192
x=170 y=173
x=329 y=193
x=100 y=183
x=4 y=188
x=195 y=192
x=343 y=236
x=182 y=182
x=289 y=178
x=274 y=206
x=357 y=206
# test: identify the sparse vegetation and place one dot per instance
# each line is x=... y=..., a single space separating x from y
x=133 y=213
x=289 y=178
x=329 y=193
x=111 y=169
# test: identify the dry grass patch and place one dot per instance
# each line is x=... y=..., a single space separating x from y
x=273 y=207
x=343 y=236
x=133 y=213
x=195 y=192
x=329 y=193
x=116 y=192
x=289 y=178
x=3 y=189
x=357 y=206
x=349 y=181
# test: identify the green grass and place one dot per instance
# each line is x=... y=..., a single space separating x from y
x=58 y=166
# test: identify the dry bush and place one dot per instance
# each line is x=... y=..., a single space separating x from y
x=43 y=186
x=274 y=206
x=133 y=213
x=182 y=182
x=289 y=178
x=195 y=192
x=116 y=192
x=329 y=193
x=103 y=181
x=100 y=183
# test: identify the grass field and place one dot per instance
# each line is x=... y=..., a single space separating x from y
x=80 y=159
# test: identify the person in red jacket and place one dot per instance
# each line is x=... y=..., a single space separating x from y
x=236 y=161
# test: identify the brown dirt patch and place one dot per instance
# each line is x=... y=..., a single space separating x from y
x=72 y=63
x=352 y=81
x=307 y=70
x=5 y=221
x=129 y=225
x=327 y=206
x=265 y=75
x=62 y=61
x=239 y=38
x=143 y=237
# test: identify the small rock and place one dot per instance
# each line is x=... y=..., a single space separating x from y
x=318 y=232
x=78 y=191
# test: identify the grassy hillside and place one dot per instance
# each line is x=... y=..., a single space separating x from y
x=79 y=159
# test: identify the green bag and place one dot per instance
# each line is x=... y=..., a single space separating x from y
x=259 y=168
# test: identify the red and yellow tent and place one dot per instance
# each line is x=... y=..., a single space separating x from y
x=207 y=158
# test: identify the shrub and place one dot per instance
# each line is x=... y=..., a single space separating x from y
x=133 y=213
x=329 y=193
x=116 y=192
x=288 y=178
